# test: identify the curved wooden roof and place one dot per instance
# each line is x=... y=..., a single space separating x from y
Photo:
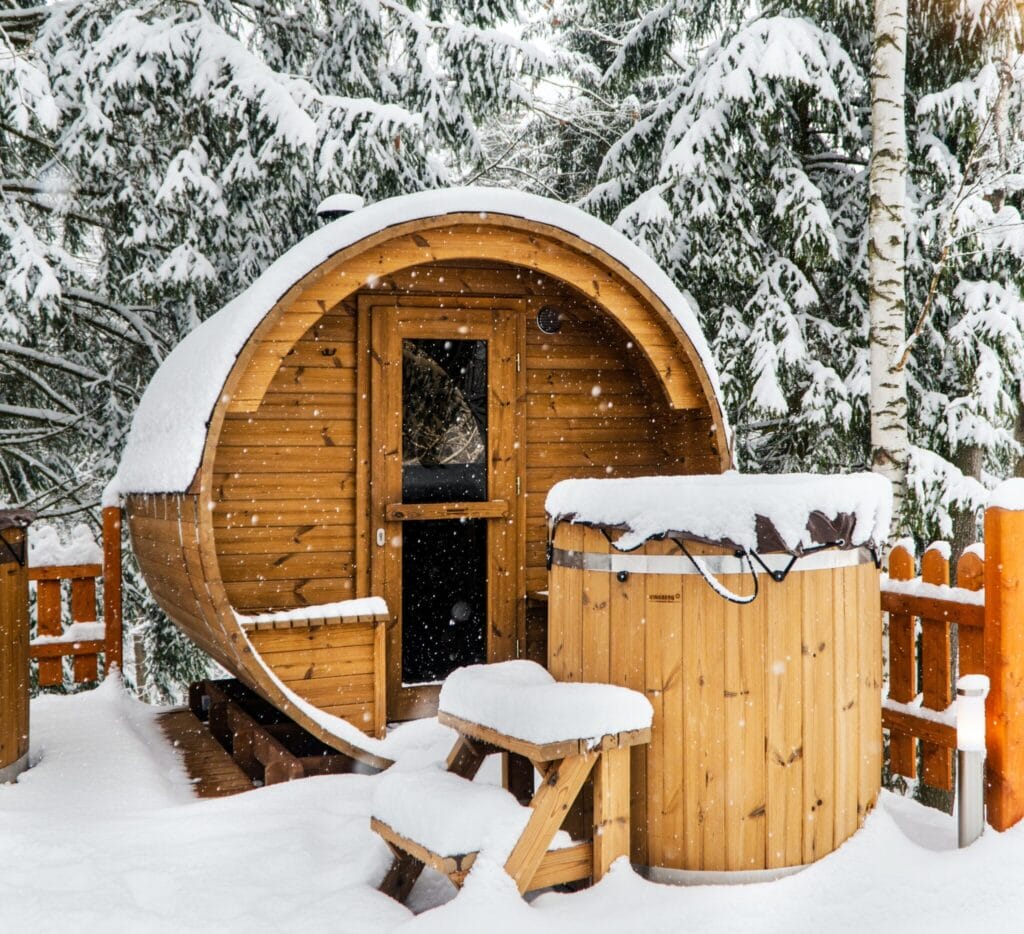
x=204 y=374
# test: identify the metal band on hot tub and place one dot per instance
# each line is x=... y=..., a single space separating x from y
x=713 y=564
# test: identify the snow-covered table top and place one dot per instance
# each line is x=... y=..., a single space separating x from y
x=522 y=700
x=755 y=512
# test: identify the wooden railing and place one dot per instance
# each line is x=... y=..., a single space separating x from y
x=928 y=718
x=987 y=610
x=87 y=636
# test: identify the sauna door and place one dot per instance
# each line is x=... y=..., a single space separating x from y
x=443 y=467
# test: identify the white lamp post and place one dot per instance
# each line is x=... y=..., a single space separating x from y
x=971 y=691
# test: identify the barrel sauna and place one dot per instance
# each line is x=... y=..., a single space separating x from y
x=14 y=670
x=767 y=738
x=386 y=408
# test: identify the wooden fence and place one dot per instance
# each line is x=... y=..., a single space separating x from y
x=987 y=610
x=86 y=637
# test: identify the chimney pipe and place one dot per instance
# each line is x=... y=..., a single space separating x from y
x=335 y=206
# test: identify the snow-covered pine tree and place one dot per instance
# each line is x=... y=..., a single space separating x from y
x=964 y=257
x=155 y=158
x=741 y=177
x=740 y=162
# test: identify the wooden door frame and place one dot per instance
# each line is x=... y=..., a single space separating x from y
x=385 y=319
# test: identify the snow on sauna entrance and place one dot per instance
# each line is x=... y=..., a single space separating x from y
x=746 y=609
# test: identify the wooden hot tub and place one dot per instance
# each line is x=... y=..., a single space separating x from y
x=767 y=738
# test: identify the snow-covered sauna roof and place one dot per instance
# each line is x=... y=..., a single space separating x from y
x=756 y=512
x=165 y=445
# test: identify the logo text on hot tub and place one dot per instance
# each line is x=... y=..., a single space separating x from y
x=665 y=597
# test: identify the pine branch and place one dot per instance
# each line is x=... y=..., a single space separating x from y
x=46 y=359
x=40 y=384
x=23 y=196
x=39 y=415
x=152 y=341
x=947 y=242
x=828 y=158
x=27 y=137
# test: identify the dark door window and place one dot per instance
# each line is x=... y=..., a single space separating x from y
x=444 y=460
x=444 y=421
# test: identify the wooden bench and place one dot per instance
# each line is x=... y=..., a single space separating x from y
x=533 y=863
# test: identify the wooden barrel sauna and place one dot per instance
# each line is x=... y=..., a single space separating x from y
x=767 y=740
x=317 y=440
x=14 y=670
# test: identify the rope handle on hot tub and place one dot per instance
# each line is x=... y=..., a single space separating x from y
x=715 y=584
x=741 y=554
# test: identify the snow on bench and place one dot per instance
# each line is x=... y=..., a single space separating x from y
x=451 y=816
x=362 y=609
x=521 y=699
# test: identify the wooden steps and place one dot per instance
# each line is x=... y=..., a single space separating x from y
x=232 y=740
x=266 y=744
x=213 y=771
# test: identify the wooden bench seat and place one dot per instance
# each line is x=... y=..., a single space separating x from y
x=365 y=610
x=560 y=865
x=444 y=820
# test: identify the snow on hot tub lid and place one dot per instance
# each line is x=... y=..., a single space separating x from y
x=791 y=513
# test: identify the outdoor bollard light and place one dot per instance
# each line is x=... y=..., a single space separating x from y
x=971 y=691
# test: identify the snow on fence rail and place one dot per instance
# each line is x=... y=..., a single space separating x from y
x=987 y=608
x=86 y=636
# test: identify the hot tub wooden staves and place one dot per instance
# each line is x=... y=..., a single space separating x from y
x=766 y=751
x=417 y=377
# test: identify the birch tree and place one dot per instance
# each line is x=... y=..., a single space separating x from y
x=890 y=446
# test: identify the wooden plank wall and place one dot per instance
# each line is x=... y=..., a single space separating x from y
x=164 y=538
x=767 y=741
x=284 y=478
x=284 y=472
x=330 y=666
x=592 y=411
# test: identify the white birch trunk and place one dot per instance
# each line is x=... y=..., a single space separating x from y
x=887 y=301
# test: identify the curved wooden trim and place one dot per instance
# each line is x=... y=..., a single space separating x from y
x=183 y=567
x=501 y=238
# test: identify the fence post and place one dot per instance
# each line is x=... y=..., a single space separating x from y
x=13 y=644
x=112 y=606
x=936 y=670
x=1004 y=653
x=902 y=667
x=970 y=575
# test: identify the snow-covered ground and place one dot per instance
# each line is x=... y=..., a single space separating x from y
x=103 y=834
